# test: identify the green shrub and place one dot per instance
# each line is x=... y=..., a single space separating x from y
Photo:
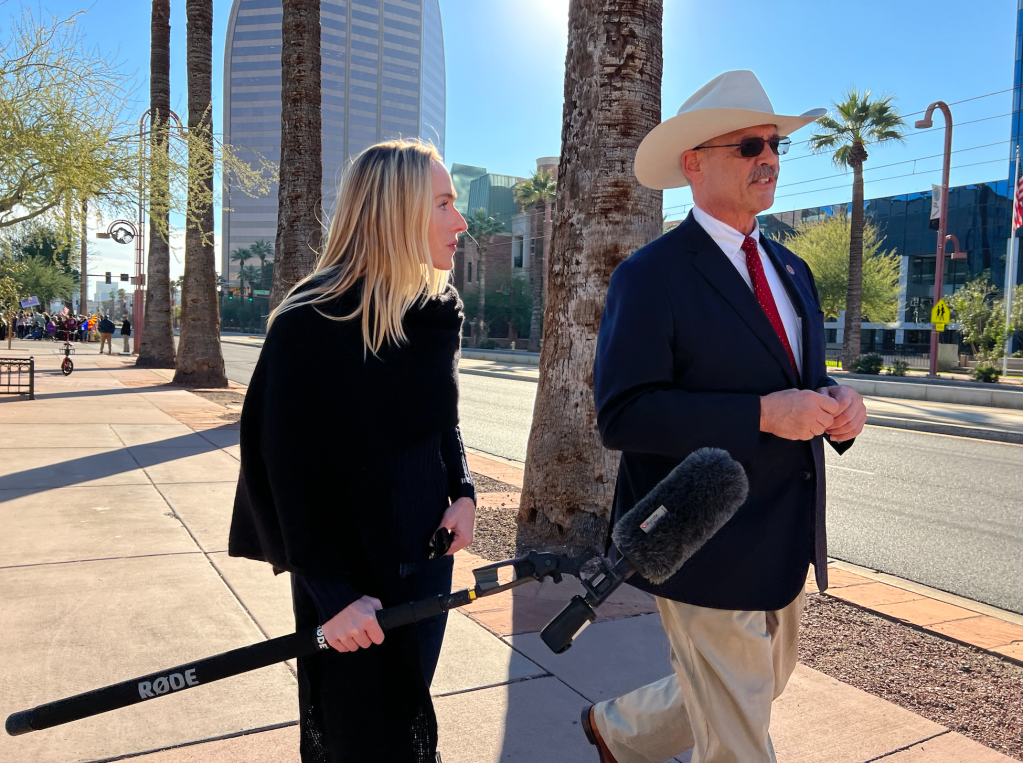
x=488 y=344
x=899 y=368
x=985 y=372
x=868 y=364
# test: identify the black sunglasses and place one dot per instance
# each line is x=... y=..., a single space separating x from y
x=751 y=147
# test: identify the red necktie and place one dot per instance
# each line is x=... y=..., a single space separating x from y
x=762 y=290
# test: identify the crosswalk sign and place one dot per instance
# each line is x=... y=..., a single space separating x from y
x=940 y=315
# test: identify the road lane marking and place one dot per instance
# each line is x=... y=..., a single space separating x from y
x=847 y=469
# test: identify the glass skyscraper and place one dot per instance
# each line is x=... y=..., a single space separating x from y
x=382 y=77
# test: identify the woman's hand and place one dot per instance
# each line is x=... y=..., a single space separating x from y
x=460 y=518
x=355 y=626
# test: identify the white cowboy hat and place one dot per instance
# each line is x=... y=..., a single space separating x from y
x=730 y=101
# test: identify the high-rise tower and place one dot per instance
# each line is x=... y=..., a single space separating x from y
x=382 y=77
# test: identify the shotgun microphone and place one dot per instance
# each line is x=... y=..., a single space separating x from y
x=659 y=534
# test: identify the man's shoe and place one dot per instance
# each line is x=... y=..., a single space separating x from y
x=593 y=736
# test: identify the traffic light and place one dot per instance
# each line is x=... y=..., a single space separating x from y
x=108 y=276
x=250 y=294
x=230 y=293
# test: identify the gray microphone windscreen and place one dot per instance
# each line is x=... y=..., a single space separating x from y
x=681 y=513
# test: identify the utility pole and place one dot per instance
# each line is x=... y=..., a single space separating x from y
x=1010 y=268
x=83 y=287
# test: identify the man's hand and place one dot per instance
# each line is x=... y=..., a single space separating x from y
x=355 y=626
x=851 y=415
x=797 y=414
x=460 y=519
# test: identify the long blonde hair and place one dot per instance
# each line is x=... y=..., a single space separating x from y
x=380 y=233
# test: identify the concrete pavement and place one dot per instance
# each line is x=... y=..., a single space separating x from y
x=116 y=491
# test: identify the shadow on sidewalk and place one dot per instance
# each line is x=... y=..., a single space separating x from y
x=107 y=464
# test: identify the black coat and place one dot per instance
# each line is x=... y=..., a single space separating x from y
x=318 y=423
x=684 y=355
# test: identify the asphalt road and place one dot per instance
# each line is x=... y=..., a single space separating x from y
x=943 y=511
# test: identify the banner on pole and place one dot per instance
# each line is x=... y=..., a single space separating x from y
x=935 y=221
x=1017 y=198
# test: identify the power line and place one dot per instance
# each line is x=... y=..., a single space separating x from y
x=878 y=167
x=892 y=177
x=908 y=135
x=879 y=180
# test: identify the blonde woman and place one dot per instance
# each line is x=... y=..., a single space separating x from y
x=352 y=458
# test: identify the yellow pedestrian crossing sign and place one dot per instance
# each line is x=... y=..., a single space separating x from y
x=940 y=315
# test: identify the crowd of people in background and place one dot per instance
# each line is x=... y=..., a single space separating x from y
x=29 y=324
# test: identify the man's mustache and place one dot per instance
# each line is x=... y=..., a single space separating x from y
x=763 y=171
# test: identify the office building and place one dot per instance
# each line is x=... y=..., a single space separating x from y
x=383 y=76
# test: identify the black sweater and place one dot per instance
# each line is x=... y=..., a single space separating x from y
x=422 y=479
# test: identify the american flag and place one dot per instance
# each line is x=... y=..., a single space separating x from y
x=1017 y=201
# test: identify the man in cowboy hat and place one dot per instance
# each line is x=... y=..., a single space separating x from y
x=713 y=336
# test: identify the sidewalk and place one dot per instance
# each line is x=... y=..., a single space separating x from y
x=115 y=495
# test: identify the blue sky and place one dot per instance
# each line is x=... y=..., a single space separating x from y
x=505 y=69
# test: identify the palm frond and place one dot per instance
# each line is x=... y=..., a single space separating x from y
x=857 y=119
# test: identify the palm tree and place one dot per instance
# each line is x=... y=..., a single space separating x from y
x=856 y=123
x=538 y=192
x=301 y=172
x=157 y=348
x=481 y=227
x=241 y=255
x=249 y=274
x=612 y=100
x=200 y=361
x=262 y=249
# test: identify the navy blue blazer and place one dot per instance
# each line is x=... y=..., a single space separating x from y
x=684 y=355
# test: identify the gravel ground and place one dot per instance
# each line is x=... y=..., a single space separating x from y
x=221 y=398
x=497 y=535
x=485 y=484
x=964 y=689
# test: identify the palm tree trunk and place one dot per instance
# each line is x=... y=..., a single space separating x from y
x=157 y=348
x=536 y=272
x=200 y=362
x=612 y=100
x=854 y=289
x=548 y=233
x=481 y=285
x=299 y=193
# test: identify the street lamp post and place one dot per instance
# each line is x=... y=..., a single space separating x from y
x=939 y=264
x=126 y=232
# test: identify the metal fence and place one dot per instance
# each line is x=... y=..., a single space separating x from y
x=18 y=377
x=914 y=359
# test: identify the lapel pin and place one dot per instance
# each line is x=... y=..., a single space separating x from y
x=791 y=271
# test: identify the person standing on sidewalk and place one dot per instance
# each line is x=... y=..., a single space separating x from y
x=361 y=357
x=126 y=334
x=713 y=336
x=106 y=334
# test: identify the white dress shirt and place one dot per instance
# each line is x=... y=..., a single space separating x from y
x=730 y=241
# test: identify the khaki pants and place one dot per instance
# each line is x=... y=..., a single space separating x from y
x=127 y=343
x=108 y=340
x=729 y=667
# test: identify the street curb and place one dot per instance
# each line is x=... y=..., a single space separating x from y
x=867 y=576
x=954 y=430
x=950 y=392
x=499 y=375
